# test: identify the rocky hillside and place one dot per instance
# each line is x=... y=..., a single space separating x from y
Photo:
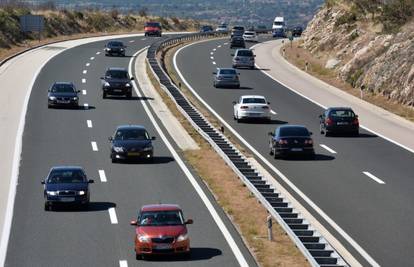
x=369 y=44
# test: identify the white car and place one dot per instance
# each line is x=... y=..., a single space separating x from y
x=251 y=107
x=222 y=28
x=250 y=36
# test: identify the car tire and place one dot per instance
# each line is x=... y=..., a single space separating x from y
x=312 y=156
x=327 y=133
x=356 y=133
x=48 y=206
x=238 y=86
x=271 y=152
x=139 y=257
x=104 y=95
x=252 y=67
x=49 y=106
x=114 y=160
x=129 y=95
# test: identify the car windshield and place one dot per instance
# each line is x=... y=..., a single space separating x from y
x=131 y=134
x=62 y=88
x=237 y=28
x=293 y=131
x=278 y=23
x=342 y=113
x=66 y=177
x=152 y=24
x=254 y=101
x=117 y=74
x=244 y=53
x=227 y=72
x=161 y=218
x=249 y=33
x=115 y=44
x=237 y=39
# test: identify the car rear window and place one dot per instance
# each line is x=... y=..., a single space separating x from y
x=342 y=113
x=63 y=88
x=131 y=134
x=244 y=53
x=294 y=131
x=152 y=24
x=66 y=176
x=227 y=72
x=117 y=74
x=254 y=100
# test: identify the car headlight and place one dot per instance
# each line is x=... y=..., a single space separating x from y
x=81 y=193
x=144 y=239
x=106 y=84
x=127 y=85
x=75 y=98
x=118 y=149
x=122 y=49
x=52 y=98
x=147 y=148
x=52 y=193
x=182 y=237
x=108 y=49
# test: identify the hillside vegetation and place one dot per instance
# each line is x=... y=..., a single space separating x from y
x=368 y=43
x=67 y=22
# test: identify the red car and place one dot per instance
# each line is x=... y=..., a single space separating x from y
x=161 y=229
x=152 y=28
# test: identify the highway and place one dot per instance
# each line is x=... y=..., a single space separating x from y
x=364 y=184
x=101 y=235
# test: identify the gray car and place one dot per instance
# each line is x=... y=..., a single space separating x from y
x=226 y=77
x=243 y=58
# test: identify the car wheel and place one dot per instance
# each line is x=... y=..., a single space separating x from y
x=271 y=152
x=48 y=206
x=312 y=156
x=114 y=160
x=356 y=133
x=49 y=106
x=129 y=95
x=252 y=67
x=139 y=257
x=85 y=206
x=104 y=95
x=327 y=133
x=238 y=86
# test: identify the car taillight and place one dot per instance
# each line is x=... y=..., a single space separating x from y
x=328 y=121
x=356 y=121
x=244 y=107
x=265 y=107
x=309 y=142
x=283 y=142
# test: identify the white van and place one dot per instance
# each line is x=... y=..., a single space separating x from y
x=278 y=23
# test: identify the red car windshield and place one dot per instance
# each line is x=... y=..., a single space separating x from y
x=161 y=218
x=153 y=25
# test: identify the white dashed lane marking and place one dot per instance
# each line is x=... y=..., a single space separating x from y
x=212 y=58
x=143 y=39
x=214 y=49
x=94 y=146
x=219 y=46
x=92 y=58
x=211 y=53
x=123 y=263
x=214 y=63
x=131 y=41
x=83 y=92
x=328 y=148
x=86 y=106
x=112 y=216
x=273 y=112
x=83 y=80
x=87 y=64
x=98 y=53
x=373 y=177
x=102 y=176
x=89 y=123
x=84 y=71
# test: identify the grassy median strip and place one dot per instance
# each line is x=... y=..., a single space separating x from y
x=243 y=209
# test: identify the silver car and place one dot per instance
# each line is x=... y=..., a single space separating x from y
x=243 y=58
x=226 y=77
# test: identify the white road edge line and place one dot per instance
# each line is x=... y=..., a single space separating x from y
x=328 y=148
x=94 y=146
x=89 y=123
x=102 y=176
x=331 y=222
x=373 y=177
x=112 y=216
x=123 y=263
x=232 y=244
x=84 y=92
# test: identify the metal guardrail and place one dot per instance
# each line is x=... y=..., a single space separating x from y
x=313 y=246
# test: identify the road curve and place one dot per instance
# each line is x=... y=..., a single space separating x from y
x=364 y=184
x=99 y=237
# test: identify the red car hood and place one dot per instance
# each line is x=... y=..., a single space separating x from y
x=156 y=231
x=151 y=29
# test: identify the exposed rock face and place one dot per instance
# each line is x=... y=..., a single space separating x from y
x=364 y=56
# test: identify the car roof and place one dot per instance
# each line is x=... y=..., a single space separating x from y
x=252 y=96
x=117 y=69
x=243 y=49
x=65 y=83
x=292 y=126
x=160 y=207
x=66 y=168
x=130 y=126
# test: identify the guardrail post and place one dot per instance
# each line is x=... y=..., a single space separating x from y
x=306 y=66
x=269 y=228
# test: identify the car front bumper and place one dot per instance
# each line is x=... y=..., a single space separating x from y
x=69 y=200
x=132 y=155
x=162 y=249
x=117 y=90
x=253 y=115
x=58 y=103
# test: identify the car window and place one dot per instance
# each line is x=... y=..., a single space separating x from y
x=131 y=134
x=117 y=74
x=238 y=28
x=342 y=113
x=115 y=44
x=227 y=72
x=254 y=101
x=63 y=88
x=249 y=33
x=160 y=218
x=278 y=23
x=66 y=176
x=152 y=24
x=244 y=53
x=293 y=131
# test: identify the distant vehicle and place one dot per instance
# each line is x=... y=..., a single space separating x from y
x=161 y=229
x=280 y=32
x=63 y=94
x=66 y=185
x=291 y=140
x=206 y=29
x=341 y=120
x=253 y=107
x=261 y=29
x=131 y=142
x=237 y=31
x=222 y=28
x=116 y=82
x=115 y=48
x=297 y=31
x=226 y=77
x=243 y=58
x=279 y=22
x=250 y=36
x=152 y=29
x=237 y=41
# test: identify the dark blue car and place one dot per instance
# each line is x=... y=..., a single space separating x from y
x=291 y=140
x=66 y=185
x=63 y=94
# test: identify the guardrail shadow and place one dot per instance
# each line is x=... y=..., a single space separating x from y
x=92 y=207
x=197 y=254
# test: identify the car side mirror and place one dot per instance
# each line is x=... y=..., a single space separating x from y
x=132 y=78
x=271 y=134
x=110 y=138
x=234 y=102
x=43 y=182
x=356 y=116
x=268 y=103
x=153 y=138
x=91 y=181
x=189 y=221
x=102 y=78
x=77 y=91
x=135 y=223
x=254 y=55
x=214 y=72
x=310 y=133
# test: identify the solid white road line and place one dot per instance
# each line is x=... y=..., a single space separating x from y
x=328 y=148
x=373 y=177
x=123 y=263
x=94 y=146
x=84 y=71
x=83 y=80
x=86 y=106
x=89 y=123
x=331 y=222
x=214 y=63
x=273 y=112
x=92 y=58
x=233 y=245
x=112 y=216
x=87 y=64
x=83 y=92
x=102 y=176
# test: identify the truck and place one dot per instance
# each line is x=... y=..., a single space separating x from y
x=278 y=27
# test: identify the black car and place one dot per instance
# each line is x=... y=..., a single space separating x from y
x=237 y=41
x=297 y=31
x=115 y=48
x=66 y=185
x=341 y=120
x=291 y=140
x=63 y=94
x=131 y=142
x=117 y=82
x=237 y=31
